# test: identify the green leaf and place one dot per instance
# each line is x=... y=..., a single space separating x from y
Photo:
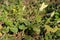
x=5 y=30
x=38 y=18
x=1 y=18
x=46 y=38
x=58 y=33
x=8 y=22
x=26 y=22
x=28 y=38
x=36 y=29
x=22 y=27
x=14 y=30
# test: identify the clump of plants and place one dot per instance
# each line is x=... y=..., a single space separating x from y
x=29 y=20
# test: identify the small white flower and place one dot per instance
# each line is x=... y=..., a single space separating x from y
x=52 y=14
x=24 y=8
x=58 y=21
x=43 y=6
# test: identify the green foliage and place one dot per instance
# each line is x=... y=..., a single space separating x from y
x=38 y=19
x=28 y=38
x=22 y=27
x=5 y=30
x=58 y=33
x=14 y=30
